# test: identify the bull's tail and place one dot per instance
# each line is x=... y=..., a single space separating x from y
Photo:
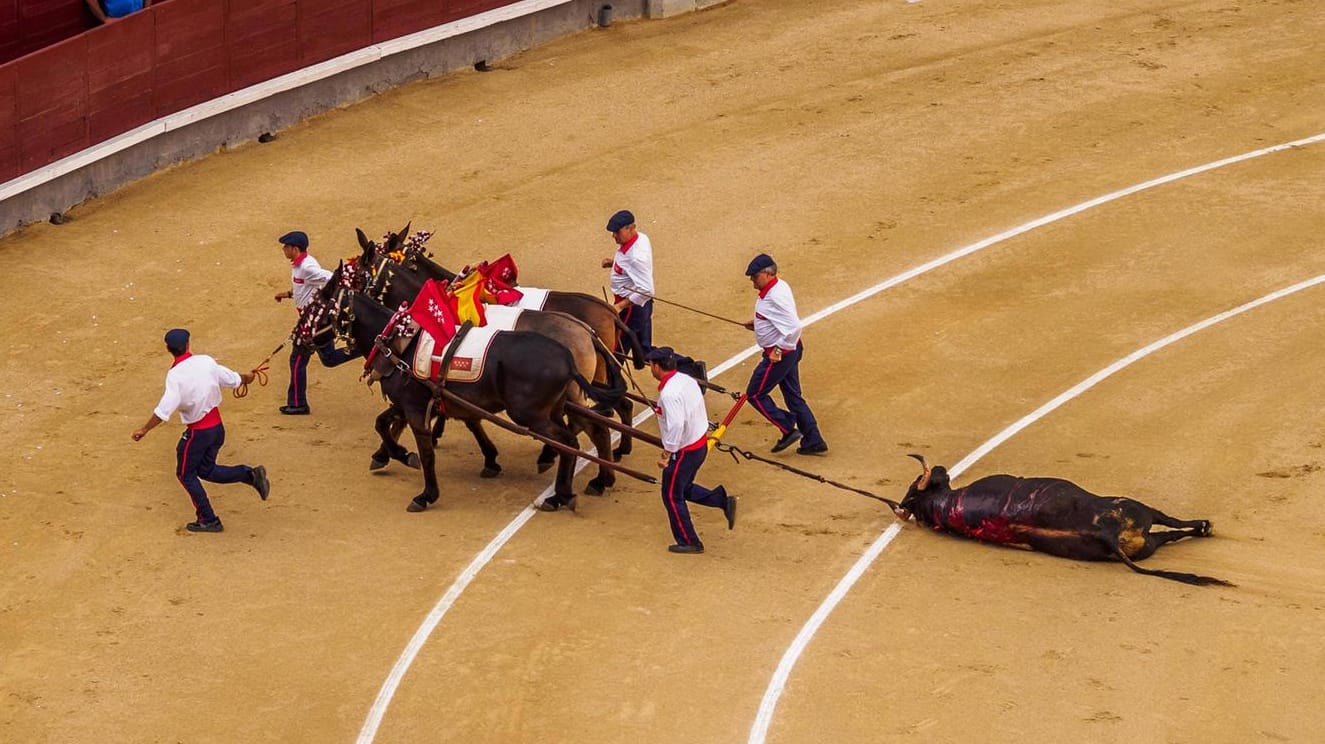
x=1185 y=578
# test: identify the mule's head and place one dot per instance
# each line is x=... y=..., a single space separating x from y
x=930 y=482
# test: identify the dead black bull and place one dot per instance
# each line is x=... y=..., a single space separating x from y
x=1049 y=515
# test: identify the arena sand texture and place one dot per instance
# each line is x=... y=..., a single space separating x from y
x=852 y=140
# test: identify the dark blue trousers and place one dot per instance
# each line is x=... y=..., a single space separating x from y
x=195 y=458
x=639 y=318
x=678 y=487
x=328 y=354
x=785 y=376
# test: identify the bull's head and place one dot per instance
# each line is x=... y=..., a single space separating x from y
x=930 y=481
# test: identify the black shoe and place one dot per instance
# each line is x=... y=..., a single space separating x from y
x=686 y=548
x=729 y=508
x=212 y=526
x=787 y=440
x=260 y=482
x=813 y=449
x=295 y=410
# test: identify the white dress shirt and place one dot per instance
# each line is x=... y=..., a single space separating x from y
x=632 y=267
x=776 y=321
x=307 y=276
x=682 y=418
x=193 y=387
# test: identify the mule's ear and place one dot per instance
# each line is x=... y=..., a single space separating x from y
x=364 y=242
x=405 y=233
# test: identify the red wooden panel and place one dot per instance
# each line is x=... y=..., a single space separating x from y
x=8 y=14
x=330 y=28
x=9 y=158
x=191 y=65
x=120 y=76
x=45 y=22
x=52 y=103
x=396 y=18
x=263 y=36
x=466 y=8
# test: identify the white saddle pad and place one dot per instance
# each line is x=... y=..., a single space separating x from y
x=466 y=364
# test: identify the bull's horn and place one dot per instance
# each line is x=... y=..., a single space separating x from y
x=924 y=478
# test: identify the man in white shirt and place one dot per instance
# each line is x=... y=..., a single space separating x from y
x=684 y=427
x=631 y=280
x=193 y=388
x=777 y=330
x=307 y=277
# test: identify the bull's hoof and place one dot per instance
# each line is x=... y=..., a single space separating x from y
x=417 y=504
x=543 y=467
x=1206 y=528
x=490 y=472
x=597 y=487
x=376 y=464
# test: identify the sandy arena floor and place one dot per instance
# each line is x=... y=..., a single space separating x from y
x=853 y=140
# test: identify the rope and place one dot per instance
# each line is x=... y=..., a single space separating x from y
x=259 y=372
x=733 y=450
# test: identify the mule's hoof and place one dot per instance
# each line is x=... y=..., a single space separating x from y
x=413 y=461
x=376 y=464
x=619 y=453
x=548 y=505
x=1206 y=528
x=489 y=472
x=416 y=504
x=596 y=487
x=543 y=467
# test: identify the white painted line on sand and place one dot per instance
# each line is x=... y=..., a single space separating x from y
x=759 y=732
x=392 y=682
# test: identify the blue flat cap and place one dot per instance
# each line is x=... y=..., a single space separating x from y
x=177 y=339
x=759 y=263
x=620 y=220
x=295 y=238
x=659 y=354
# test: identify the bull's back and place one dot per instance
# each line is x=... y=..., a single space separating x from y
x=1050 y=515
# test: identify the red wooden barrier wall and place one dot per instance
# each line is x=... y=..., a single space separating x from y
x=29 y=25
x=87 y=89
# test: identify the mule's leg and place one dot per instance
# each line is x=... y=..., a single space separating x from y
x=601 y=436
x=428 y=463
x=626 y=412
x=388 y=426
x=490 y=467
x=546 y=458
x=563 y=490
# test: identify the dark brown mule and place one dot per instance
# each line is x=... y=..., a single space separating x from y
x=593 y=311
x=393 y=285
x=527 y=375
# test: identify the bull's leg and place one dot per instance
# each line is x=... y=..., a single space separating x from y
x=490 y=467
x=388 y=426
x=626 y=412
x=1189 y=527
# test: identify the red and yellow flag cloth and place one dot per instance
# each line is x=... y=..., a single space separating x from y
x=499 y=280
x=435 y=311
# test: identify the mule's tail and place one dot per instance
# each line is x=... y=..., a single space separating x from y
x=606 y=398
x=631 y=340
x=1185 y=578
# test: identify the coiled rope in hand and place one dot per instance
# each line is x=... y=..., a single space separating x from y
x=259 y=372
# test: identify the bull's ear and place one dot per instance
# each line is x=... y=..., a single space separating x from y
x=938 y=477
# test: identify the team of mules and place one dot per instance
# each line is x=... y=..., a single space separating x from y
x=556 y=370
x=548 y=372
